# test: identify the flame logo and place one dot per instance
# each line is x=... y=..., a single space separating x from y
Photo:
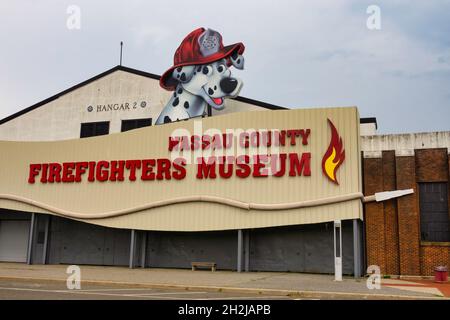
x=334 y=156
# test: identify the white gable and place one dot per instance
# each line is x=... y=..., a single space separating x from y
x=115 y=97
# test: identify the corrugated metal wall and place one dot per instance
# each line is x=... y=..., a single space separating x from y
x=307 y=248
x=73 y=242
x=304 y=248
x=179 y=249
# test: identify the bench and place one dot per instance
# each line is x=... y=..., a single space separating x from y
x=211 y=265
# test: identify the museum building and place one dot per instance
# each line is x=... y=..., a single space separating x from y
x=87 y=178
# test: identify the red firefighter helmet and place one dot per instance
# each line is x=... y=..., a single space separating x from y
x=201 y=46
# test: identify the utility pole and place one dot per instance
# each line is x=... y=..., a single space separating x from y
x=121 y=46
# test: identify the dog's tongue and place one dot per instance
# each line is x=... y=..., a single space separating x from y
x=217 y=100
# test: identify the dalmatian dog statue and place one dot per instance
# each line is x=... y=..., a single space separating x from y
x=201 y=84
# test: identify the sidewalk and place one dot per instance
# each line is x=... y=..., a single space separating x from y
x=273 y=283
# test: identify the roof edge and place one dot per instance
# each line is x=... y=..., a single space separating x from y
x=56 y=96
x=369 y=120
x=148 y=75
x=126 y=69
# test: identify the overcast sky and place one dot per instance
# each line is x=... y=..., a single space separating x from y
x=298 y=53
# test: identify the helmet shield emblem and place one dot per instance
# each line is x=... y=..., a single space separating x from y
x=209 y=42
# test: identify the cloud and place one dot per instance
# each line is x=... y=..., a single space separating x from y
x=335 y=54
x=298 y=53
x=145 y=34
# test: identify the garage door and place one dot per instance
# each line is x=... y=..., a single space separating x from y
x=306 y=248
x=179 y=249
x=73 y=242
x=14 y=240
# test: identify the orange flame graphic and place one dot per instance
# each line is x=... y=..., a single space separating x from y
x=334 y=156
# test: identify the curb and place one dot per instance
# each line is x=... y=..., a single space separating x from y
x=258 y=291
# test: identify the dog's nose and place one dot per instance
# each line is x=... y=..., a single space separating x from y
x=228 y=84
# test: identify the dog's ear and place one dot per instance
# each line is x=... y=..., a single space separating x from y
x=183 y=74
x=237 y=60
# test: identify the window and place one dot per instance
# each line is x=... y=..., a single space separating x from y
x=92 y=129
x=434 y=215
x=135 y=123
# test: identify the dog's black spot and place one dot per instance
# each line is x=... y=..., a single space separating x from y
x=167 y=119
x=186 y=105
x=199 y=69
x=178 y=76
x=180 y=91
x=210 y=91
x=179 y=69
x=183 y=77
x=175 y=102
x=234 y=55
x=238 y=61
x=175 y=94
x=215 y=87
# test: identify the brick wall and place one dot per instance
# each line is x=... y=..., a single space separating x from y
x=433 y=255
x=408 y=217
x=393 y=227
x=374 y=216
x=432 y=165
x=392 y=259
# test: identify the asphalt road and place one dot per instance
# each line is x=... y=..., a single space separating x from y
x=14 y=290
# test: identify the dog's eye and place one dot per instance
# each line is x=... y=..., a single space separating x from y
x=207 y=69
x=220 y=68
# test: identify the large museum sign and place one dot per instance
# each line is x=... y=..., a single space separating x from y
x=239 y=170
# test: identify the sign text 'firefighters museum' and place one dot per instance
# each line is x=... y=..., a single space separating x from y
x=239 y=170
x=224 y=166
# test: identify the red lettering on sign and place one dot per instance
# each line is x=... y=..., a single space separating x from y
x=67 y=175
x=163 y=167
x=91 y=177
x=244 y=169
x=226 y=167
x=132 y=165
x=262 y=163
x=44 y=172
x=117 y=170
x=147 y=169
x=102 y=173
x=80 y=168
x=173 y=142
x=298 y=166
x=259 y=165
x=54 y=172
x=206 y=168
x=305 y=135
x=278 y=165
x=34 y=171
x=243 y=140
x=180 y=170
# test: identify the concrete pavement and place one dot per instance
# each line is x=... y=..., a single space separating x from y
x=265 y=283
